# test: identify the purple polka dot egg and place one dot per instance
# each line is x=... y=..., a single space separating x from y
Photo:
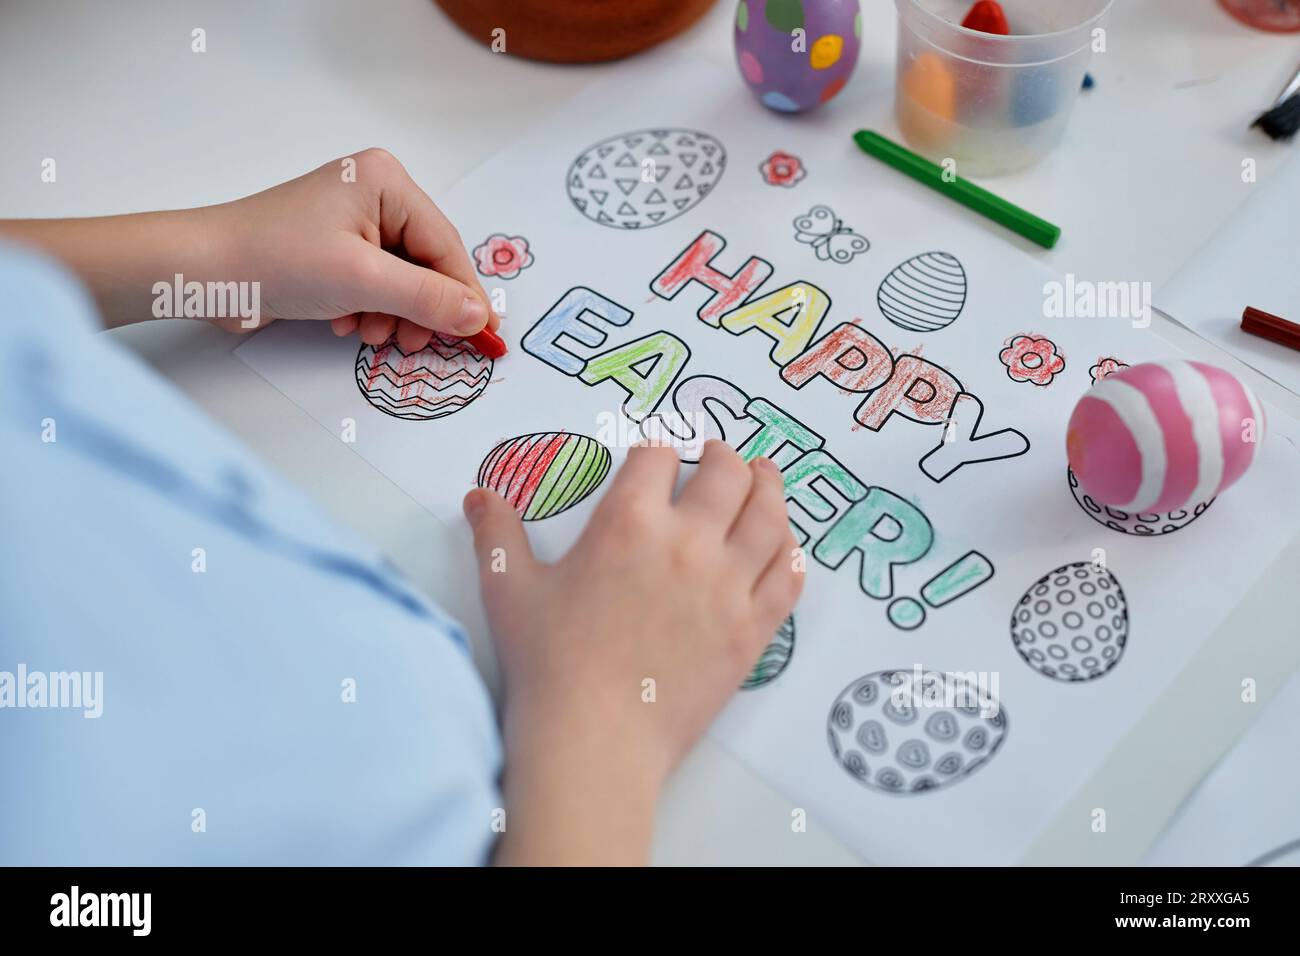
x=797 y=54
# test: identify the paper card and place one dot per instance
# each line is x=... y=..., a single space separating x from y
x=1250 y=262
x=1247 y=810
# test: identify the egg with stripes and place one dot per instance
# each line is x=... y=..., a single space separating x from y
x=775 y=657
x=1072 y=624
x=905 y=732
x=1163 y=436
x=544 y=474
x=438 y=380
x=924 y=294
x=645 y=178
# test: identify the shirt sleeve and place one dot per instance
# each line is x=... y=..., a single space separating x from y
x=195 y=665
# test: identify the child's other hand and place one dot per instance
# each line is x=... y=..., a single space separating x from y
x=356 y=242
x=684 y=594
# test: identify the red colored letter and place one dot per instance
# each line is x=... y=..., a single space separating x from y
x=917 y=389
x=694 y=265
x=848 y=356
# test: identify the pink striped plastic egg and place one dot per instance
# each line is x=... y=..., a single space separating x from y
x=1161 y=436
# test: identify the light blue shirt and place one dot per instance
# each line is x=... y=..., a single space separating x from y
x=279 y=696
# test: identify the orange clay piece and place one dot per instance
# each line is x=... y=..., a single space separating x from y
x=929 y=84
x=927 y=103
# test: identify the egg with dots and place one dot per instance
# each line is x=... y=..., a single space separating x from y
x=543 y=474
x=797 y=54
x=1072 y=624
x=1163 y=436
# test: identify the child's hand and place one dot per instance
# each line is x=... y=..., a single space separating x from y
x=355 y=242
x=359 y=243
x=616 y=658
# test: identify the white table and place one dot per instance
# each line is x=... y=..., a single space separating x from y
x=135 y=120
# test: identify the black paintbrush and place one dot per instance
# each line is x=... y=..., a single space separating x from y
x=1283 y=120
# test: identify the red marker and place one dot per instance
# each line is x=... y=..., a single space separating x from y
x=1271 y=327
x=987 y=17
x=489 y=343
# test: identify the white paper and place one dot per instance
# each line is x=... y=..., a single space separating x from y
x=1247 y=810
x=1017 y=512
x=1253 y=261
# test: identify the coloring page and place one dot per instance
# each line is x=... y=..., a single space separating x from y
x=976 y=633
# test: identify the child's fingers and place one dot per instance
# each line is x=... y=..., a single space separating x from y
x=344 y=325
x=412 y=337
x=416 y=223
x=779 y=585
x=718 y=489
x=650 y=472
x=504 y=555
x=376 y=328
x=763 y=523
x=421 y=295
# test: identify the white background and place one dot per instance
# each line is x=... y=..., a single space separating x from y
x=1149 y=171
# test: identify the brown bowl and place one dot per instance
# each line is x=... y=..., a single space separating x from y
x=574 y=31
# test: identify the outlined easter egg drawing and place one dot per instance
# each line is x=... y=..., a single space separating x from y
x=775 y=657
x=645 y=178
x=543 y=474
x=925 y=293
x=440 y=379
x=1145 y=524
x=1072 y=624
x=904 y=733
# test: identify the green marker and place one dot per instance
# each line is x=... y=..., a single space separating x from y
x=964 y=191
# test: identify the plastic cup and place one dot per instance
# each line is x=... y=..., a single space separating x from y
x=992 y=103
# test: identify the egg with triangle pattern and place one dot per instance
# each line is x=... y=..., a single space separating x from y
x=645 y=178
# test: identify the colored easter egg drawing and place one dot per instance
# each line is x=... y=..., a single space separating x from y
x=924 y=294
x=543 y=474
x=645 y=178
x=1072 y=624
x=775 y=657
x=440 y=379
x=897 y=734
x=1163 y=436
x=797 y=54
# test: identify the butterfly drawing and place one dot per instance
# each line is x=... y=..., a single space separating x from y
x=828 y=235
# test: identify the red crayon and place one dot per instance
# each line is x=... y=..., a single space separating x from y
x=1271 y=327
x=987 y=17
x=488 y=343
